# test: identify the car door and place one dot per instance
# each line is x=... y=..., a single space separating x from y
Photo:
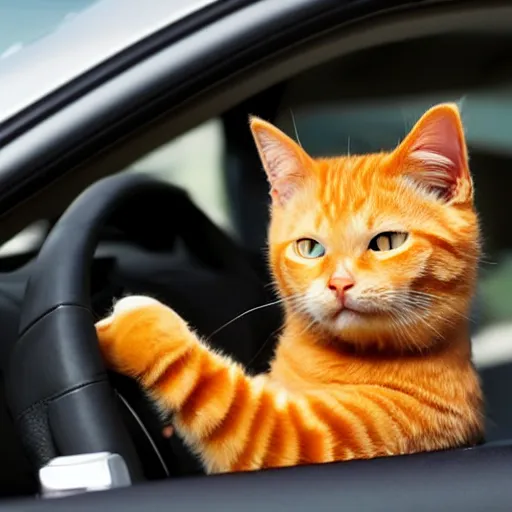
x=48 y=158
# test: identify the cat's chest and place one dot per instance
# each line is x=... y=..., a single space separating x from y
x=321 y=371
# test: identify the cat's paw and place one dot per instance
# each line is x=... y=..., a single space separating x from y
x=139 y=332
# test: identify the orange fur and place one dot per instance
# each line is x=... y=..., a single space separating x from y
x=381 y=367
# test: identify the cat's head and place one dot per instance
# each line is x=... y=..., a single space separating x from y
x=380 y=248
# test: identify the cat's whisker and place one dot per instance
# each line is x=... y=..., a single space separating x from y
x=241 y=315
x=295 y=128
x=407 y=311
x=414 y=301
x=402 y=329
x=297 y=302
x=427 y=324
x=413 y=332
x=300 y=302
x=308 y=327
x=264 y=345
x=421 y=300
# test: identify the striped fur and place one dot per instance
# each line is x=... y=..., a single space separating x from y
x=391 y=372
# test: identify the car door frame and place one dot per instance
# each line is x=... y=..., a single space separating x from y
x=210 y=69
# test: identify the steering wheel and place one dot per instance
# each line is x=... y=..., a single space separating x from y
x=58 y=390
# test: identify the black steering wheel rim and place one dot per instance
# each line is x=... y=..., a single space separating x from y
x=57 y=386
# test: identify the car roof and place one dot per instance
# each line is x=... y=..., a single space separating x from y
x=81 y=43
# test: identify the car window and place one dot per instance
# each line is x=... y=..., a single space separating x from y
x=327 y=128
x=193 y=161
x=24 y=21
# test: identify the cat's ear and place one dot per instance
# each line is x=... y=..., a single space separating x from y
x=285 y=162
x=434 y=154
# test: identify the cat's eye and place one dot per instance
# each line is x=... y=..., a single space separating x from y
x=387 y=241
x=309 y=248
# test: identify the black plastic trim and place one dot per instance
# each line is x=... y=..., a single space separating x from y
x=472 y=480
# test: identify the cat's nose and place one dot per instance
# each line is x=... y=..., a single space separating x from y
x=340 y=285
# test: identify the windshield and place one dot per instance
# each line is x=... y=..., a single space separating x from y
x=24 y=21
x=55 y=41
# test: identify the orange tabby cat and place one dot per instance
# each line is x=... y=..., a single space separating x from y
x=375 y=257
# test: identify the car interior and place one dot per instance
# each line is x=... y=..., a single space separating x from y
x=196 y=238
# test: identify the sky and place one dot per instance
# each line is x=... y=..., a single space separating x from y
x=23 y=21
